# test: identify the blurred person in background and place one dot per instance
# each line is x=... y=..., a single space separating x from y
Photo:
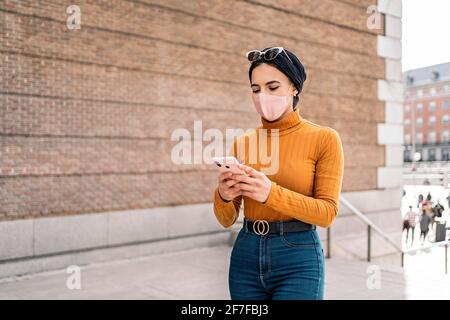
x=409 y=223
x=425 y=221
x=448 y=199
x=438 y=209
x=419 y=200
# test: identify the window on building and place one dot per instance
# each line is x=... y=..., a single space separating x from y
x=432 y=91
x=407 y=122
x=431 y=154
x=419 y=93
x=419 y=107
x=445 y=135
x=432 y=121
x=445 y=105
x=432 y=137
x=419 y=122
x=445 y=119
x=407 y=108
x=407 y=138
x=419 y=138
x=407 y=155
x=432 y=106
x=445 y=154
x=446 y=88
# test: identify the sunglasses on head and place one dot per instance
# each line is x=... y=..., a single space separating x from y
x=268 y=54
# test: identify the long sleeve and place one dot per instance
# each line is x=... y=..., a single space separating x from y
x=227 y=212
x=323 y=207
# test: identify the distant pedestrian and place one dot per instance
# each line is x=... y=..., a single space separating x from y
x=425 y=220
x=409 y=223
x=420 y=199
x=438 y=209
x=448 y=199
x=429 y=196
x=406 y=227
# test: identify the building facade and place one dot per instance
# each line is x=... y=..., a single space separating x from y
x=427 y=113
x=87 y=114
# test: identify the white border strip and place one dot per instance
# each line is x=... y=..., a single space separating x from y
x=390 y=91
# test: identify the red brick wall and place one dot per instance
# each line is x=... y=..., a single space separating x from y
x=86 y=115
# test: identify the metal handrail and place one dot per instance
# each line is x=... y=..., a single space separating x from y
x=369 y=223
x=385 y=236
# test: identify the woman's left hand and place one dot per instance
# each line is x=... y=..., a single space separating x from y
x=255 y=184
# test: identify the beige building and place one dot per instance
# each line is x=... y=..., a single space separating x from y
x=90 y=96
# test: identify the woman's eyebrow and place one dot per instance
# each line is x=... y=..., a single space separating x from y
x=267 y=83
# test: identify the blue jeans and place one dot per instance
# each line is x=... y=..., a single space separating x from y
x=287 y=266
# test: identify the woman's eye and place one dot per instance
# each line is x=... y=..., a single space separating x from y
x=271 y=89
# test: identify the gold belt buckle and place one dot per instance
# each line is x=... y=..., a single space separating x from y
x=261 y=227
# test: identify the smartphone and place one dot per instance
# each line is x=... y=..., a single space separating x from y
x=228 y=164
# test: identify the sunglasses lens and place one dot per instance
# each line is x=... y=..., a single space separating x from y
x=253 y=55
x=271 y=53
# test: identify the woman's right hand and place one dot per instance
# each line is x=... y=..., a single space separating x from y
x=228 y=188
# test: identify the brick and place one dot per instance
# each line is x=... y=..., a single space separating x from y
x=86 y=115
x=105 y=47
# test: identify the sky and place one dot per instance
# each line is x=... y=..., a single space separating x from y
x=426 y=33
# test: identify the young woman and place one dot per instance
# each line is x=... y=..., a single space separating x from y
x=277 y=253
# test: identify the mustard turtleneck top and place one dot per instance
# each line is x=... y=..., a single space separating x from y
x=308 y=181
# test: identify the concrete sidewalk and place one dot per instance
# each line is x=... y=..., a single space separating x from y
x=203 y=274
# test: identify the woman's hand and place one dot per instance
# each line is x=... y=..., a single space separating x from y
x=228 y=188
x=254 y=184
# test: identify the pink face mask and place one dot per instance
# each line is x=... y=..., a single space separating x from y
x=270 y=106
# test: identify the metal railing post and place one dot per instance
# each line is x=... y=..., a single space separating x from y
x=368 y=242
x=446 y=260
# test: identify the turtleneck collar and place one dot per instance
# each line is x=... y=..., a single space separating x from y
x=294 y=119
